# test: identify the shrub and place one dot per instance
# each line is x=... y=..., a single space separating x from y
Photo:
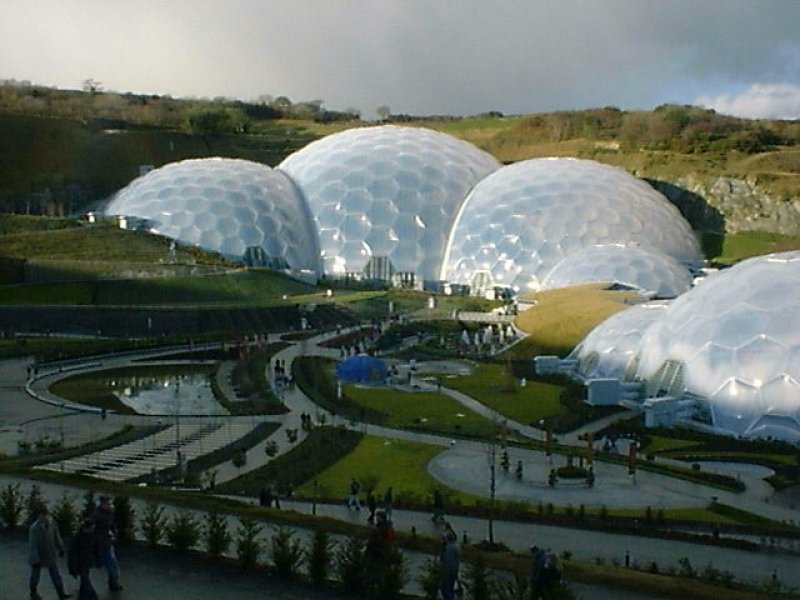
x=685 y=568
x=286 y=553
x=183 y=531
x=124 y=519
x=386 y=578
x=216 y=536
x=152 y=524
x=430 y=578
x=271 y=448
x=514 y=589
x=65 y=515
x=88 y=504
x=350 y=564
x=248 y=547
x=319 y=557
x=33 y=502
x=11 y=506
x=478 y=580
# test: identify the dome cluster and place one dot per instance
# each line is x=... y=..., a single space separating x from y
x=519 y=223
x=732 y=341
x=379 y=201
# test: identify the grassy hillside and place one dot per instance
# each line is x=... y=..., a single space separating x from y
x=70 y=163
x=562 y=317
x=61 y=150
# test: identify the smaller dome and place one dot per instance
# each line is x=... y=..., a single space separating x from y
x=647 y=270
x=361 y=368
x=611 y=349
x=230 y=206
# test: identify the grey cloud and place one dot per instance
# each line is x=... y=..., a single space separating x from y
x=417 y=56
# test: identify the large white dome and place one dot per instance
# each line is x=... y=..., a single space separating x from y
x=650 y=271
x=610 y=350
x=734 y=339
x=522 y=220
x=388 y=192
x=224 y=205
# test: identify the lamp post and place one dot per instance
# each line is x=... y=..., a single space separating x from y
x=492 y=483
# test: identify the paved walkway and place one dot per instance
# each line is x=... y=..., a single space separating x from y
x=457 y=467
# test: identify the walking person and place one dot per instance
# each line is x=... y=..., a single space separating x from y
x=352 y=499
x=536 y=578
x=106 y=534
x=451 y=564
x=372 y=505
x=83 y=556
x=438 y=506
x=45 y=546
x=388 y=502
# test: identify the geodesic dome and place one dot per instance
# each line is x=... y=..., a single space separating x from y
x=644 y=269
x=735 y=340
x=224 y=205
x=522 y=220
x=386 y=192
x=610 y=349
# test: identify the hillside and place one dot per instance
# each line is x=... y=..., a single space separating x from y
x=62 y=151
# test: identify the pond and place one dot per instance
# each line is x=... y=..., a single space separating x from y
x=162 y=390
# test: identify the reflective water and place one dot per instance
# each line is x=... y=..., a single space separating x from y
x=185 y=394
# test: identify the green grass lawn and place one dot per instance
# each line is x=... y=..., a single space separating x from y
x=732 y=247
x=489 y=385
x=379 y=462
x=257 y=287
x=429 y=411
x=659 y=444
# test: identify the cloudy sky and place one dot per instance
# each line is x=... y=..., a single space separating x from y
x=455 y=57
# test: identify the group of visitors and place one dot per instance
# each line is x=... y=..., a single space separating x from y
x=354 y=502
x=268 y=496
x=372 y=504
x=92 y=546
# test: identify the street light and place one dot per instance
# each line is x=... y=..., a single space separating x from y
x=492 y=481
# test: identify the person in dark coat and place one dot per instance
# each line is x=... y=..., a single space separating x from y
x=45 y=546
x=451 y=563
x=372 y=505
x=83 y=556
x=106 y=534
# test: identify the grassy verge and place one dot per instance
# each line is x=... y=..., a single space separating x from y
x=253 y=389
x=314 y=376
x=423 y=411
x=492 y=385
x=561 y=318
x=368 y=462
x=323 y=447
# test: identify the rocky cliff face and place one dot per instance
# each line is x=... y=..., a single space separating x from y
x=729 y=205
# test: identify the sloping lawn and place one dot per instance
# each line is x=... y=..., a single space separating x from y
x=429 y=411
x=380 y=462
x=490 y=385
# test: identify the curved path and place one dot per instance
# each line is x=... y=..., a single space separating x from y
x=457 y=464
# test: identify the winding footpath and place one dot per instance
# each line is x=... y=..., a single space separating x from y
x=25 y=403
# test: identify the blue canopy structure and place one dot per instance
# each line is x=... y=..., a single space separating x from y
x=361 y=368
